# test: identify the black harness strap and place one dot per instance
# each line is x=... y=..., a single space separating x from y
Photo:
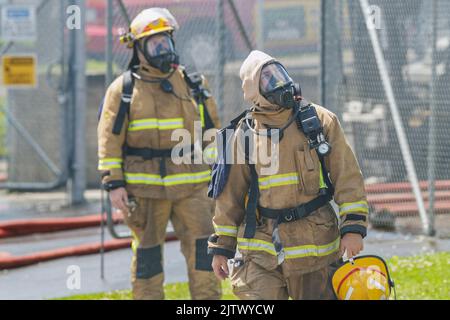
x=149 y=154
x=252 y=204
x=297 y=213
x=125 y=101
x=200 y=94
x=313 y=137
x=326 y=176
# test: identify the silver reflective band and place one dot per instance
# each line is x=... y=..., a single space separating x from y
x=290 y=252
x=225 y=230
x=109 y=163
x=161 y=124
x=312 y=250
x=170 y=180
x=278 y=180
x=360 y=206
x=256 y=245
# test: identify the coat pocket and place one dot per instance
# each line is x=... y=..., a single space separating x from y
x=136 y=217
x=238 y=277
x=308 y=167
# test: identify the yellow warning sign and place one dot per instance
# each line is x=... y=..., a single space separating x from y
x=19 y=71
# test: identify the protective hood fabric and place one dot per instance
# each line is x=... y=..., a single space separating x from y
x=263 y=112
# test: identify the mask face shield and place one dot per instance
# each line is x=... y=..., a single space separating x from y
x=277 y=86
x=159 y=51
x=273 y=77
x=159 y=44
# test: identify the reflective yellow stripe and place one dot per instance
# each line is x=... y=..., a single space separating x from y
x=278 y=180
x=312 y=250
x=256 y=245
x=356 y=207
x=135 y=242
x=201 y=109
x=230 y=231
x=170 y=180
x=110 y=163
x=291 y=252
x=152 y=123
x=211 y=153
x=322 y=183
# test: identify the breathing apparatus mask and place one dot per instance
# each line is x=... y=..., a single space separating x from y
x=159 y=51
x=277 y=87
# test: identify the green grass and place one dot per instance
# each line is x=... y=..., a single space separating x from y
x=424 y=277
x=176 y=291
x=94 y=66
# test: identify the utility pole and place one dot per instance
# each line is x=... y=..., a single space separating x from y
x=78 y=166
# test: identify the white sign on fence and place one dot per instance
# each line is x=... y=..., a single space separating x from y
x=18 y=23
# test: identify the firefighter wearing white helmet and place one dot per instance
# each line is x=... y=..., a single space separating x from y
x=141 y=110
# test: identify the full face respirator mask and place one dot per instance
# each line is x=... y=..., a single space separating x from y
x=277 y=87
x=159 y=51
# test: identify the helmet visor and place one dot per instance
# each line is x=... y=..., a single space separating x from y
x=273 y=76
x=159 y=44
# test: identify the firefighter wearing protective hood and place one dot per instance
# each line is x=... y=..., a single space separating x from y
x=281 y=222
x=141 y=110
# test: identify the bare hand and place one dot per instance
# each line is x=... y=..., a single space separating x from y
x=119 y=199
x=220 y=267
x=353 y=243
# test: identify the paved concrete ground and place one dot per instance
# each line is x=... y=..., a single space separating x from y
x=49 y=279
x=15 y=205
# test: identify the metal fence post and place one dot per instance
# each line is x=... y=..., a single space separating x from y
x=432 y=135
x=330 y=56
x=109 y=44
x=322 y=43
x=78 y=185
x=220 y=36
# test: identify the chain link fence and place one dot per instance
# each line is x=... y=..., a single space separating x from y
x=33 y=151
x=216 y=36
x=383 y=67
x=367 y=90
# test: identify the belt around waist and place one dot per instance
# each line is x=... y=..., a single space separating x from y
x=296 y=213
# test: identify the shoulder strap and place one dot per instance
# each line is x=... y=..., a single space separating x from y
x=253 y=192
x=252 y=204
x=125 y=101
x=221 y=169
x=326 y=176
x=100 y=110
x=305 y=103
x=194 y=81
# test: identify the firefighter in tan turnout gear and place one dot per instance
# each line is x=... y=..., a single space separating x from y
x=282 y=222
x=142 y=108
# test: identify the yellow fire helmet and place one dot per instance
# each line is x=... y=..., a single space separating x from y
x=149 y=22
x=363 y=278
